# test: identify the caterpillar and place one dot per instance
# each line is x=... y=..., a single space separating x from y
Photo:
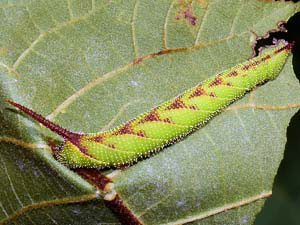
x=166 y=123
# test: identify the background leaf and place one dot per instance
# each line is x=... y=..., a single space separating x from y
x=91 y=65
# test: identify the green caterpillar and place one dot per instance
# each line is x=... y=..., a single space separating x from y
x=168 y=122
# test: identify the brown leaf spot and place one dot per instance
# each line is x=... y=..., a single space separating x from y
x=188 y=14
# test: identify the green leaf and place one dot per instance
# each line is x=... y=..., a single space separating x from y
x=91 y=65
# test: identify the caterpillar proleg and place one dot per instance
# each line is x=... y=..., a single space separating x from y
x=168 y=122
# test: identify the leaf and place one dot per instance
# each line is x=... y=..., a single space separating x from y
x=91 y=65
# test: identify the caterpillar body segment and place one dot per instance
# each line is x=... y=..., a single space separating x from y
x=168 y=122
